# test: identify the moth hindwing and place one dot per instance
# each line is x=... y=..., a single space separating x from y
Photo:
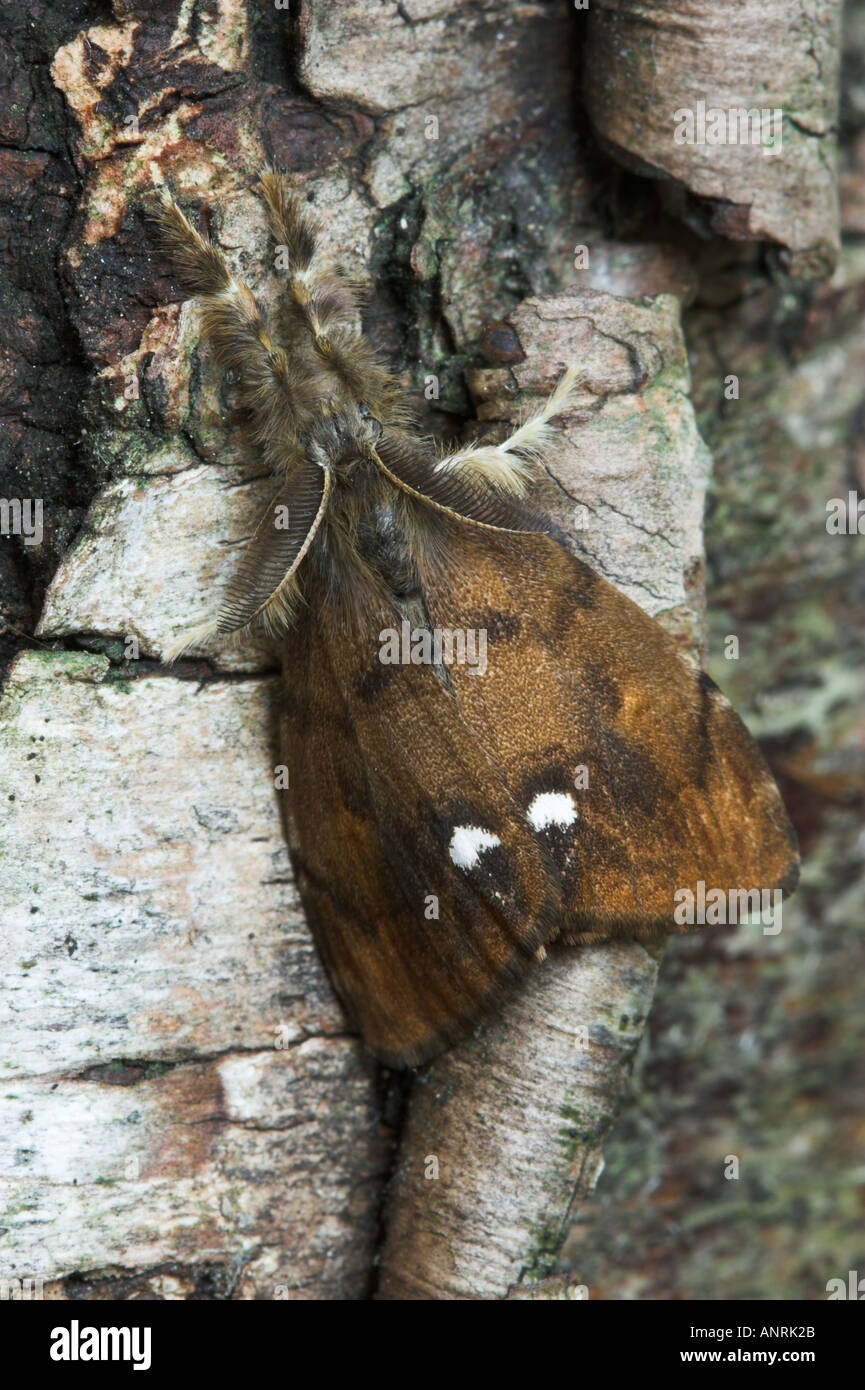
x=489 y=746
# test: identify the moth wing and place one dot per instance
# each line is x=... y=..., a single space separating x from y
x=631 y=767
x=426 y=894
x=278 y=545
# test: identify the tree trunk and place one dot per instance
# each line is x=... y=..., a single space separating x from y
x=186 y=1115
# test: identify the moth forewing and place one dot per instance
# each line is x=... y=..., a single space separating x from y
x=636 y=774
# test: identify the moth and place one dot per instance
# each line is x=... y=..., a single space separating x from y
x=438 y=836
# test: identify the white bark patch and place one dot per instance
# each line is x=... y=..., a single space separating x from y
x=552 y=808
x=148 y=915
x=468 y=843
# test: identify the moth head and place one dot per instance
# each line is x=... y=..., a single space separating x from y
x=369 y=429
x=341 y=436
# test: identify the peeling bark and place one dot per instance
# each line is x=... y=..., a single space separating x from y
x=648 y=66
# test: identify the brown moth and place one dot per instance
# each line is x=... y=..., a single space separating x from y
x=437 y=837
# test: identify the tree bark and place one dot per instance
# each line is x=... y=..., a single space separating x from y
x=758 y=81
x=186 y=1115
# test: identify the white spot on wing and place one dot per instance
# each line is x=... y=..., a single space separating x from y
x=552 y=808
x=468 y=843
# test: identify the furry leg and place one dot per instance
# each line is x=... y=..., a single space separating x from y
x=507 y=464
x=321 y=306
x=270 y=384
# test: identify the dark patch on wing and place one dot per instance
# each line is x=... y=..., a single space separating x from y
x=353 y=790
x=378 y=675
x=703 y=751
x=347 y=907
x=494 y=866
x=558 y=618
x=443 y=820
x=603 y=688
x=604 y=847
x=295 y=703
x=497 y=625
x=549 y=775
x=635 y=777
